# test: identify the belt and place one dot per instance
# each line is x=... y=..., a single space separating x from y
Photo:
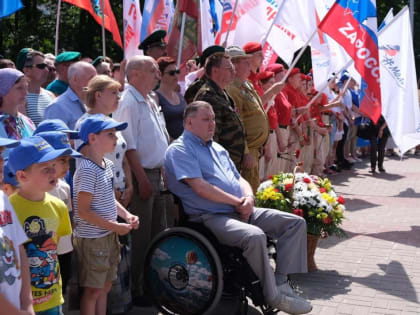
x=283 y=126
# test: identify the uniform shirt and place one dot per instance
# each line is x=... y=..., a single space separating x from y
x=284 y=109
x=146 y=132
x=256 y=83
x=251 y=112
x=189 y=157
x=36 y=104
x=230 y=132
x=44 y=223
x=272 y=116
x=67 y=107
x=58 y=87
x=96 y=180
x=294 y=97
x=11 y=237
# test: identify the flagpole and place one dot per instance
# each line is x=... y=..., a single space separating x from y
x=103 y=28
x=230 y=23
x=181 y=39
x=272 y=23
x=57 y=27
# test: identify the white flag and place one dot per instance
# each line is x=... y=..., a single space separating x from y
x=400 y=105
x=327 y=55
x=206 y=24
x=132 y=24
x=388 y=18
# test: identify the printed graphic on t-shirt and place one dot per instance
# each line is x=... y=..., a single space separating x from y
x=42 y=257
x=9 y=265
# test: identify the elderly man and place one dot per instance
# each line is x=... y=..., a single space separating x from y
x=36 y=71
x=62 y=64
x=230 y=133
x=154 y=45
x=200 y=172
x=251 y=112
x=147 y=141
x=69 y=106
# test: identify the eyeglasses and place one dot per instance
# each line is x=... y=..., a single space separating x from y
x=41 y=66
x=173 y=72
x=51 y=69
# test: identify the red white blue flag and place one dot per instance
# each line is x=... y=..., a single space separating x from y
x=353 y=24
x=157 y=15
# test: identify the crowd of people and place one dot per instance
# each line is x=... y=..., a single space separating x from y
x=210 y=140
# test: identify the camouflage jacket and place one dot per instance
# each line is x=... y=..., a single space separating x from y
x=230 y=132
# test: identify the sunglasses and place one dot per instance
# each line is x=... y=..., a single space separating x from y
x=173 y=72
x=41 y=66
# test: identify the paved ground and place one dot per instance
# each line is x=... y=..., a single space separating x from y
x=376 y=269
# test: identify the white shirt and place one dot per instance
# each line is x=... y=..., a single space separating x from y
x=146 y=132
x=11 y=237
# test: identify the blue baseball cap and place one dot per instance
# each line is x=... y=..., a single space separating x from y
x=95 y=124
x=58 y=140
x=31 y=151
x=9 y=177
x=56 y=125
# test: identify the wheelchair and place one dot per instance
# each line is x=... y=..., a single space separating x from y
x=187 y=271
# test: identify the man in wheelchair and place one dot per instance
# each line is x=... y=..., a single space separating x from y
x=200 y=172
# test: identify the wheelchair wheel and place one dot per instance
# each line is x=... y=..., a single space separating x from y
x=183 y=273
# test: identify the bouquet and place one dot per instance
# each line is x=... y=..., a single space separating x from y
x=308 y=196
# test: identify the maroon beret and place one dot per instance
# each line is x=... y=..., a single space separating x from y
x=252 y=47
x=264 y=75
x=275 y=67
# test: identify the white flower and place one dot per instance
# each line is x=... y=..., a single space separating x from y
x=265 y=185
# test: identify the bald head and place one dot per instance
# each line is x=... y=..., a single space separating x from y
x=78 y=68
x=79 y=75
x=143 y=73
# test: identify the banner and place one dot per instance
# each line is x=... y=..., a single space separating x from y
x=210 y=19
x=94 y=8
x=190 y=40
x=157 y=15
x=8 y=7
x=388 y=18
x=228 y=6
x=353 y=24
x=132 y=24
x=400 y=105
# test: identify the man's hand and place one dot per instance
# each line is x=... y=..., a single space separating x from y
x=134 y=221
x=246 y=207
x=249 y=161
x=278 y=87
x=126 y=196
x=145 y=189
x=121 y=228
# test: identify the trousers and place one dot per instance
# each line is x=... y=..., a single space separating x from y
x=288 y=230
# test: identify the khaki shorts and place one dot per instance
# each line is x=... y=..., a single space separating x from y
x=97 y=259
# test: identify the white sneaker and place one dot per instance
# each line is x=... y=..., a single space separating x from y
x=291 y=305
x=286 y=289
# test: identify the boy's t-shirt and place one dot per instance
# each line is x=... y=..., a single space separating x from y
x=11 y=237
x=98 y=181
x=44 y=222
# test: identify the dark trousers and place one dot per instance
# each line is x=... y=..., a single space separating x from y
x=377 y=151
x=340 y=147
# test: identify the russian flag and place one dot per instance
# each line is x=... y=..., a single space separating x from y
x=157 y=15
x=353 y=25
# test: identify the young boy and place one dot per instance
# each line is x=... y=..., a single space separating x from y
x=59 y=140
x=15 y=289
x=44 y=218
x=9 y=184
x=95 y=214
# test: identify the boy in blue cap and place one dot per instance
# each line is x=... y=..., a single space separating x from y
x=9 y=184
x=95 y=214
x=15 y=291
x=44 y=218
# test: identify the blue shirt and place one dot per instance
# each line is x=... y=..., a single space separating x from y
x=66 y=107
x=190 y=157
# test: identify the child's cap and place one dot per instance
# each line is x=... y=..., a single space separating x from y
x=58 y=140
x=55 y=125
x=9 y=177
x=33 y=150
x=95 y=124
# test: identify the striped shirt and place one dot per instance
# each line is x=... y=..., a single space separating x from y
x=98 y=181
x=36 y=104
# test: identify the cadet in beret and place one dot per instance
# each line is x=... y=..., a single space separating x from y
x=62 y=63
x=102 y=66
x=154 y=45
x=21 y=58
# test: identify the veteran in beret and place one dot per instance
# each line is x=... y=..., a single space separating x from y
x=62 y=63
x=154 y=45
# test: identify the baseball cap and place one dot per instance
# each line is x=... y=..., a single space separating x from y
x=95 y=124
x=33 y=150
x=58 y=140
x=56 y=125
x=9 y=177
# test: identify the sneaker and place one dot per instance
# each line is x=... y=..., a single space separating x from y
x=291 y=305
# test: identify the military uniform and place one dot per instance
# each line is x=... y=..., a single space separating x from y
x=255 y=121
x=193 y=89
x=230 y=132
